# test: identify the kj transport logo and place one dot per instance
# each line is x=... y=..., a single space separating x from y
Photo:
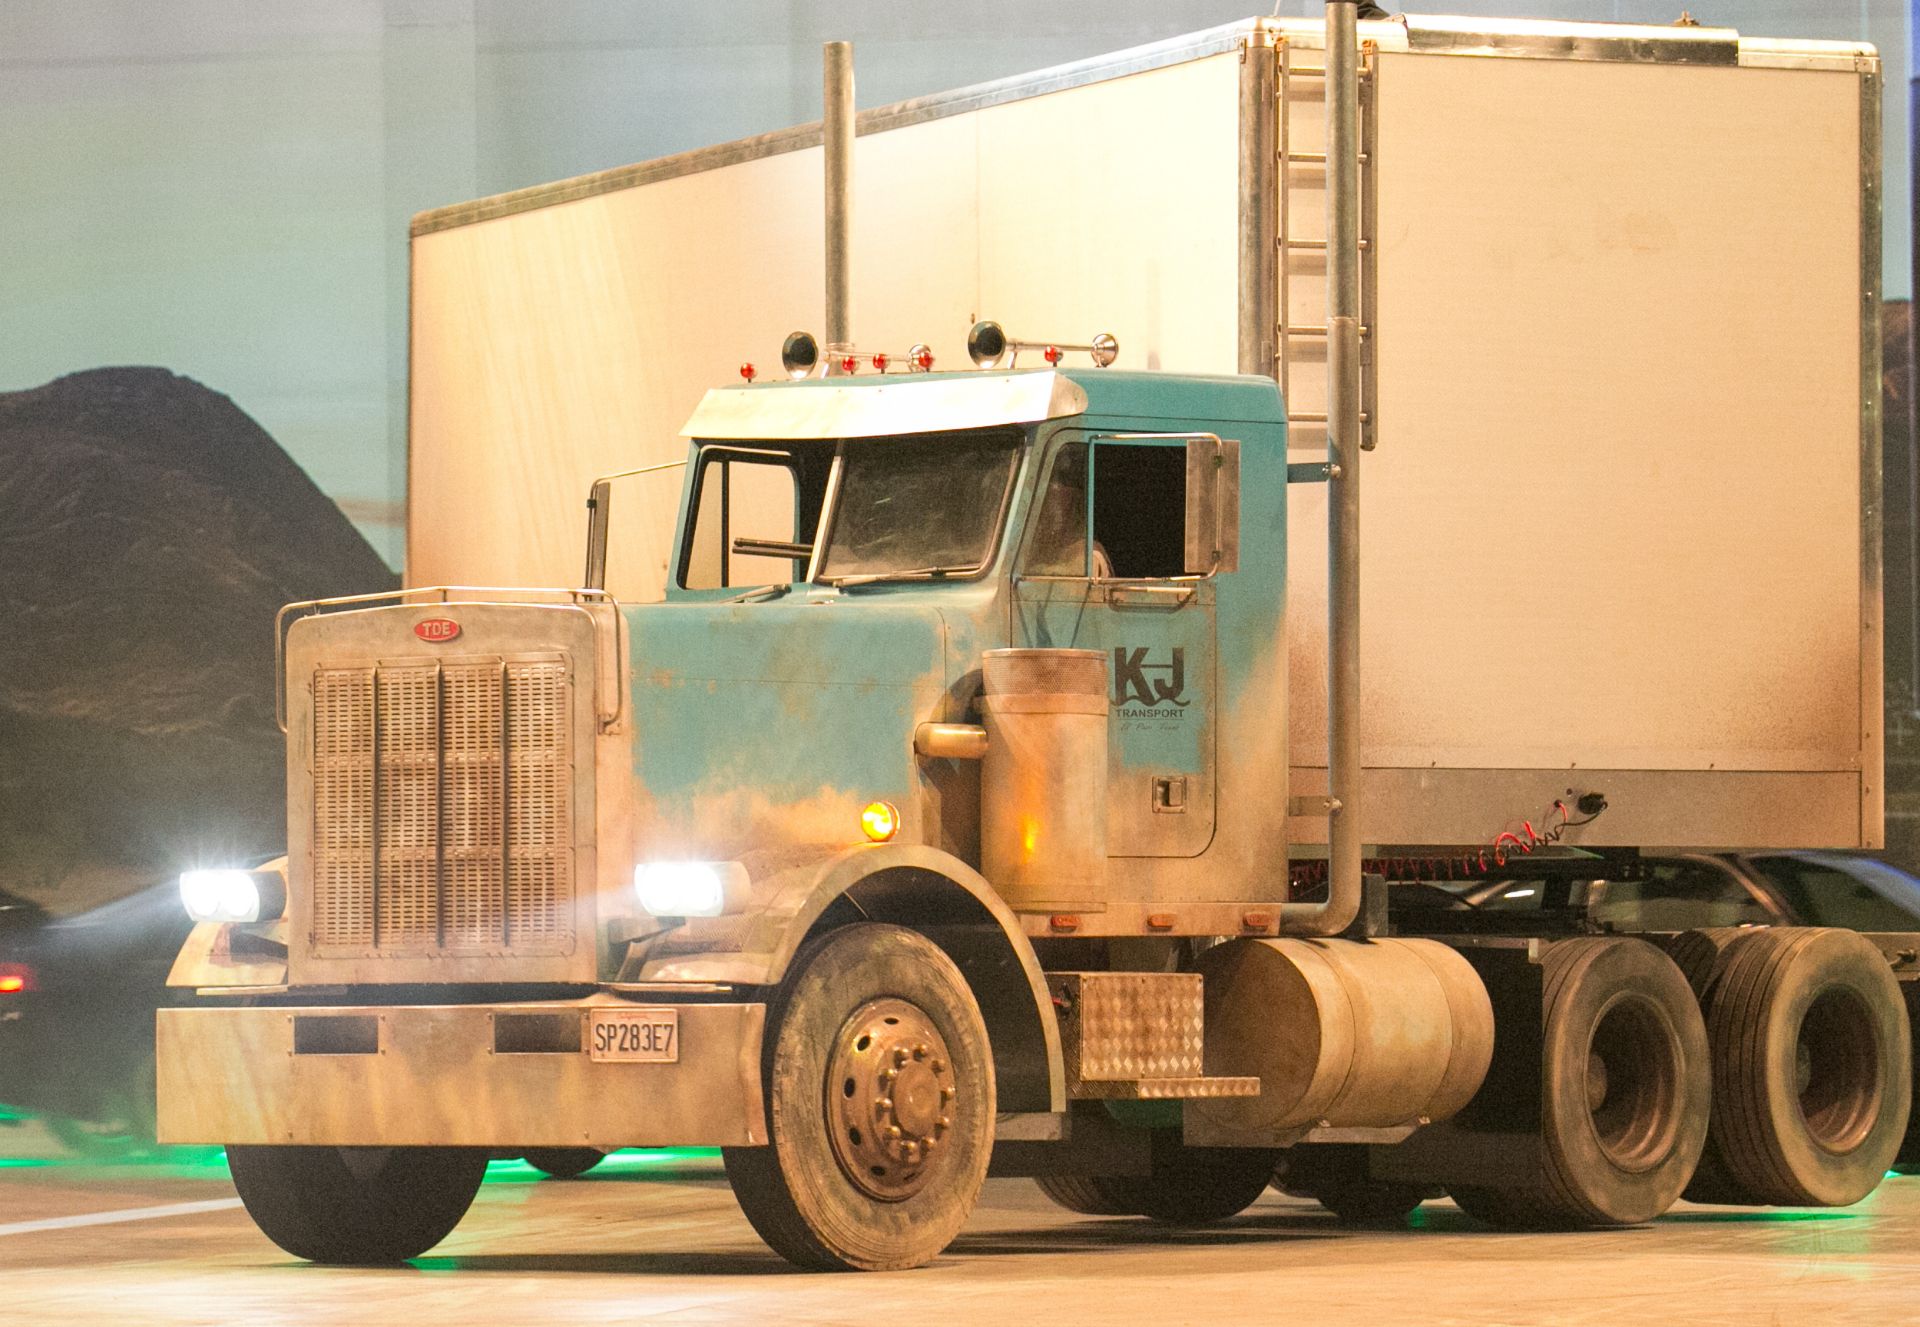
x=1143 y=689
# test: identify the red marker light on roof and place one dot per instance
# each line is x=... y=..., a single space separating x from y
x=850 y=364
x=14 y=978
x=748 y=372
x=921 y=358
x=1052 y=355
x=880 y=362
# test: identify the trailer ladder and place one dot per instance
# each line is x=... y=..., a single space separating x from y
x=1295 y=248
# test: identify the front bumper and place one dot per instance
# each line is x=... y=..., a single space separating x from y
x=502 y=1076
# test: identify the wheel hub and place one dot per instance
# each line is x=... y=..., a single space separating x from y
x=890 y=1091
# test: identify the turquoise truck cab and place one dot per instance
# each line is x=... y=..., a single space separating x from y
x=850 y=548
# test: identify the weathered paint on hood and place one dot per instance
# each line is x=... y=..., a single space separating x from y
x=761 y=724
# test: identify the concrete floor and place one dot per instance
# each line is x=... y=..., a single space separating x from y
x=657 y=1238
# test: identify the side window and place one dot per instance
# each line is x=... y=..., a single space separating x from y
x=1823 y=896
x=1139 y=499
x=745 y=523
x=1679 y=897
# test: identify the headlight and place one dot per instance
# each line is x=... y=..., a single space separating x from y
x=233 y=896
x=691 y=889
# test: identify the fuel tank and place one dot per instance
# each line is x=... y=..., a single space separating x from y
x=1342 y=1033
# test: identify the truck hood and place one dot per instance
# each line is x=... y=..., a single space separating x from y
x=765 y=724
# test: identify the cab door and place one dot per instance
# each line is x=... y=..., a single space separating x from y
x=1124 y=592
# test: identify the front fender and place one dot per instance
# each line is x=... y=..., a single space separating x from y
x=911 y=885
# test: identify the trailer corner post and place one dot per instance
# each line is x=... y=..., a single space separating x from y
x=1344 y=431
x=836 y=140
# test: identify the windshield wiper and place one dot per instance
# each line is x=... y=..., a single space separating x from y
x=912 y=574
x=763 y=592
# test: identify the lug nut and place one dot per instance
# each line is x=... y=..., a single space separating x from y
x=900 y=1056
x=893 y=1132
x=939 y=1066
x=920 y=1051
x=942 y=1124
x=946 y=1095
x=926 y=1144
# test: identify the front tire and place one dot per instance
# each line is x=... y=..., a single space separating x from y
x=357 y=1205
x=880 y=1101
x=565 y=1163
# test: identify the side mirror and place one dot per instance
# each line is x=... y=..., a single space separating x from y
x=1213 y=505
x=599 y=520
x=597 y=513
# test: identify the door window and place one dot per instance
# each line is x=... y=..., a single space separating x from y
x=1134 y=494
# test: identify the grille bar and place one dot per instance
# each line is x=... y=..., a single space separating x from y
x=442 y=808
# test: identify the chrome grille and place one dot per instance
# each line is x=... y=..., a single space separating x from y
x=442 y=818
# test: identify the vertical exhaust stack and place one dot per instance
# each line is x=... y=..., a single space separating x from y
x=1343 y=484
x=836 y=141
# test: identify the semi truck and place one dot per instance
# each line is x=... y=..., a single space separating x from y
x=984 y=779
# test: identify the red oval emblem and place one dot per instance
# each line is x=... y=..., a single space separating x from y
x=436 y=630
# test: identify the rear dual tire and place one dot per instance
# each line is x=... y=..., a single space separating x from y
x=1624 y=1090
x=1812 y=1066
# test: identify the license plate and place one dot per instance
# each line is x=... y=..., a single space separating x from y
x=642 y=1036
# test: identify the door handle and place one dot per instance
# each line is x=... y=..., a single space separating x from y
x=1151 y=596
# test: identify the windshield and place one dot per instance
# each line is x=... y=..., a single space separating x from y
x=923 y=506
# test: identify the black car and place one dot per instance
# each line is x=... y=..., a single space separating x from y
x=77 y=1002
x=1695 y=890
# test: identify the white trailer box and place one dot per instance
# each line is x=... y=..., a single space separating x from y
x=1621 y=529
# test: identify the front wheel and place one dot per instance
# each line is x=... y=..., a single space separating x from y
x=356 y=1205
x=880 y=1099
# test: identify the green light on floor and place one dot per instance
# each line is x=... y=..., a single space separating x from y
x=8 y=1113
x=629 y=1162
x=26 y=1163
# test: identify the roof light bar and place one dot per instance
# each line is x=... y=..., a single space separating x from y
x=800 y=356
x=988 y=345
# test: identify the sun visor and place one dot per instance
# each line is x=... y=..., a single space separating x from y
x=879 y=407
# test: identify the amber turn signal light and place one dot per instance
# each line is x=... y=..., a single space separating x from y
x=880 y=821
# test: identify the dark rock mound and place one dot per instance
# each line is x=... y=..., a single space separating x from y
x=149 y=530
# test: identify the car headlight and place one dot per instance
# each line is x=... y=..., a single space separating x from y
x=691 y=889
x=233 y=895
